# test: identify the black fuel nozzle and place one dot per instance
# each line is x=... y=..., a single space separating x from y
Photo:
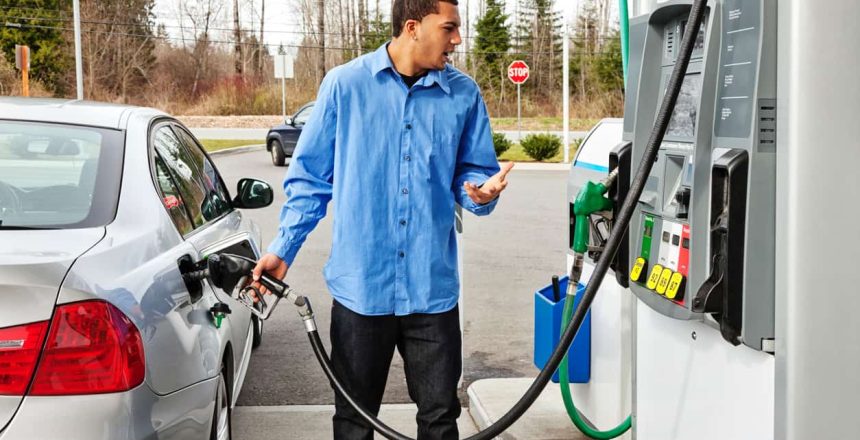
x=227 y=271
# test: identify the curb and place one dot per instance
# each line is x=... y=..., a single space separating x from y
x=480 y=416
x=236 y=150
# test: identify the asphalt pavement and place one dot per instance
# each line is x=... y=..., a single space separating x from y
x=507 y=256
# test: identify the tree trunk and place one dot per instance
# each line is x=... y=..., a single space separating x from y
x=466 y=46
x=237 y=36
x=321 y=30
x=362 y=24
x=262 y=49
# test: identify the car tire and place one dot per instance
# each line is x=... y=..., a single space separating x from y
x=222 y=418
x=278 y=156
x=257 y=328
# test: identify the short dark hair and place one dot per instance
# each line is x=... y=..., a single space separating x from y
x=403 y=10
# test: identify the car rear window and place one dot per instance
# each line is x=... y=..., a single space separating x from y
x=55 y=176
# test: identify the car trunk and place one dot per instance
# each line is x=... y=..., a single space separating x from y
x=33 y=265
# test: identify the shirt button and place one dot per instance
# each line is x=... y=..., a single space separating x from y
x=409 y=126
x=402 y=222
x=407 y=158
x=404 y=191
x=402 y=254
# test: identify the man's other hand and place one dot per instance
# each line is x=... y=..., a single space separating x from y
x=491 y=189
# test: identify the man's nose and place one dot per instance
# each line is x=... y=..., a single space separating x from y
x=456 y=40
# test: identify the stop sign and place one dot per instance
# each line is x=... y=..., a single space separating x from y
x=518 y=72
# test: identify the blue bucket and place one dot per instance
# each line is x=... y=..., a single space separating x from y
x=548 y=314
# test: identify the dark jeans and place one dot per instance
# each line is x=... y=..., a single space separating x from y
x=361 y=351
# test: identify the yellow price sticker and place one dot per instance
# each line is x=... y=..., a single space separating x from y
x=675 y=287
x=654 y=277
x=663 y=283
x=638 y=267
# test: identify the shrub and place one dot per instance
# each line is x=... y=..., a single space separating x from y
x=501 y=143
x=541 y=146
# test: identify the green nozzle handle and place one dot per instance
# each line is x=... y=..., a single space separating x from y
x=590 y=199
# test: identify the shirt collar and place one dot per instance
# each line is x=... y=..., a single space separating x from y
x=379 y=61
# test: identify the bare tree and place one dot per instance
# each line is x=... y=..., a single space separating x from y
x=201 y=15
x=262 y=46
x=118 y=47
x=237 y=37
x=321 y=30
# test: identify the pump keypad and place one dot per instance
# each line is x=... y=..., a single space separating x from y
x=663 y=282
x=654 y=278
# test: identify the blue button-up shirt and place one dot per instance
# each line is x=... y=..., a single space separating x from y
x=394 y=161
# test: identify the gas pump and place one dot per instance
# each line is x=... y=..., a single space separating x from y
x=698 y=256
x=701 y=240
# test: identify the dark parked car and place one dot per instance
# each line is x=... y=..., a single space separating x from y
x=281 y=139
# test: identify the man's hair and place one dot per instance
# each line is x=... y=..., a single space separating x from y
x=403 y=10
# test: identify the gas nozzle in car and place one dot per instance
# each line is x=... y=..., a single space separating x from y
x=232 y=273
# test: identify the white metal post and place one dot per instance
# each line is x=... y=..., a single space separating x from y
x=519 y=116
x=79 y=70
x=284 y=96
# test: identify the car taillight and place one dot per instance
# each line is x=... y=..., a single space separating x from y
x=92 y=348
x=20 y=347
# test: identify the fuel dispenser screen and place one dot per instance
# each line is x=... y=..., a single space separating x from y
x=683 y=122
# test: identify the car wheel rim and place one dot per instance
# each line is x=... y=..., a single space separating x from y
x=222 y=411
x=274 y=153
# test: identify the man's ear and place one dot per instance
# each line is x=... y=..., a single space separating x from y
x=411 y=29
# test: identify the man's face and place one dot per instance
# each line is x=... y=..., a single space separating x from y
x=437 y=36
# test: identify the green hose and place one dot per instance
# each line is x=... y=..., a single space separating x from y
x=565 y=389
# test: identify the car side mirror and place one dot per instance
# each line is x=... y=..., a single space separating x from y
x=253 y=194
x=288 y=120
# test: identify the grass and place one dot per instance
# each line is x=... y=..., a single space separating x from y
x=211 y=145
x=516 y=153
x=542 y=124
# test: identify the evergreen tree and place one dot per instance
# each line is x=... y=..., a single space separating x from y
x=492 y=43
x=41 y=23
x=378 y=33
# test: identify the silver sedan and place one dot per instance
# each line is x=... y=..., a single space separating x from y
x=102 y=210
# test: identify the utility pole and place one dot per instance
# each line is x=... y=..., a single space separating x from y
x=22 y=62
x=79 y=70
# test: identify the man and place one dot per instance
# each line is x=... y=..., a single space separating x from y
x=396 y=138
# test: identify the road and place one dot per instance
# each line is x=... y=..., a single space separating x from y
x=507 y=256
x=260 y=133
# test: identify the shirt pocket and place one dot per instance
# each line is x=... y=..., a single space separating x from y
x=445 y=143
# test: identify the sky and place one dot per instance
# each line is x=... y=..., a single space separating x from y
x=283 y=24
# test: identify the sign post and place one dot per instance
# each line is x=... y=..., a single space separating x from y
x=518 y=73
x=22 y=63
x=283 y=70
x=79 y=69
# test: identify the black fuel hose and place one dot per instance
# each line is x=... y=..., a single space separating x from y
x=637 y=185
